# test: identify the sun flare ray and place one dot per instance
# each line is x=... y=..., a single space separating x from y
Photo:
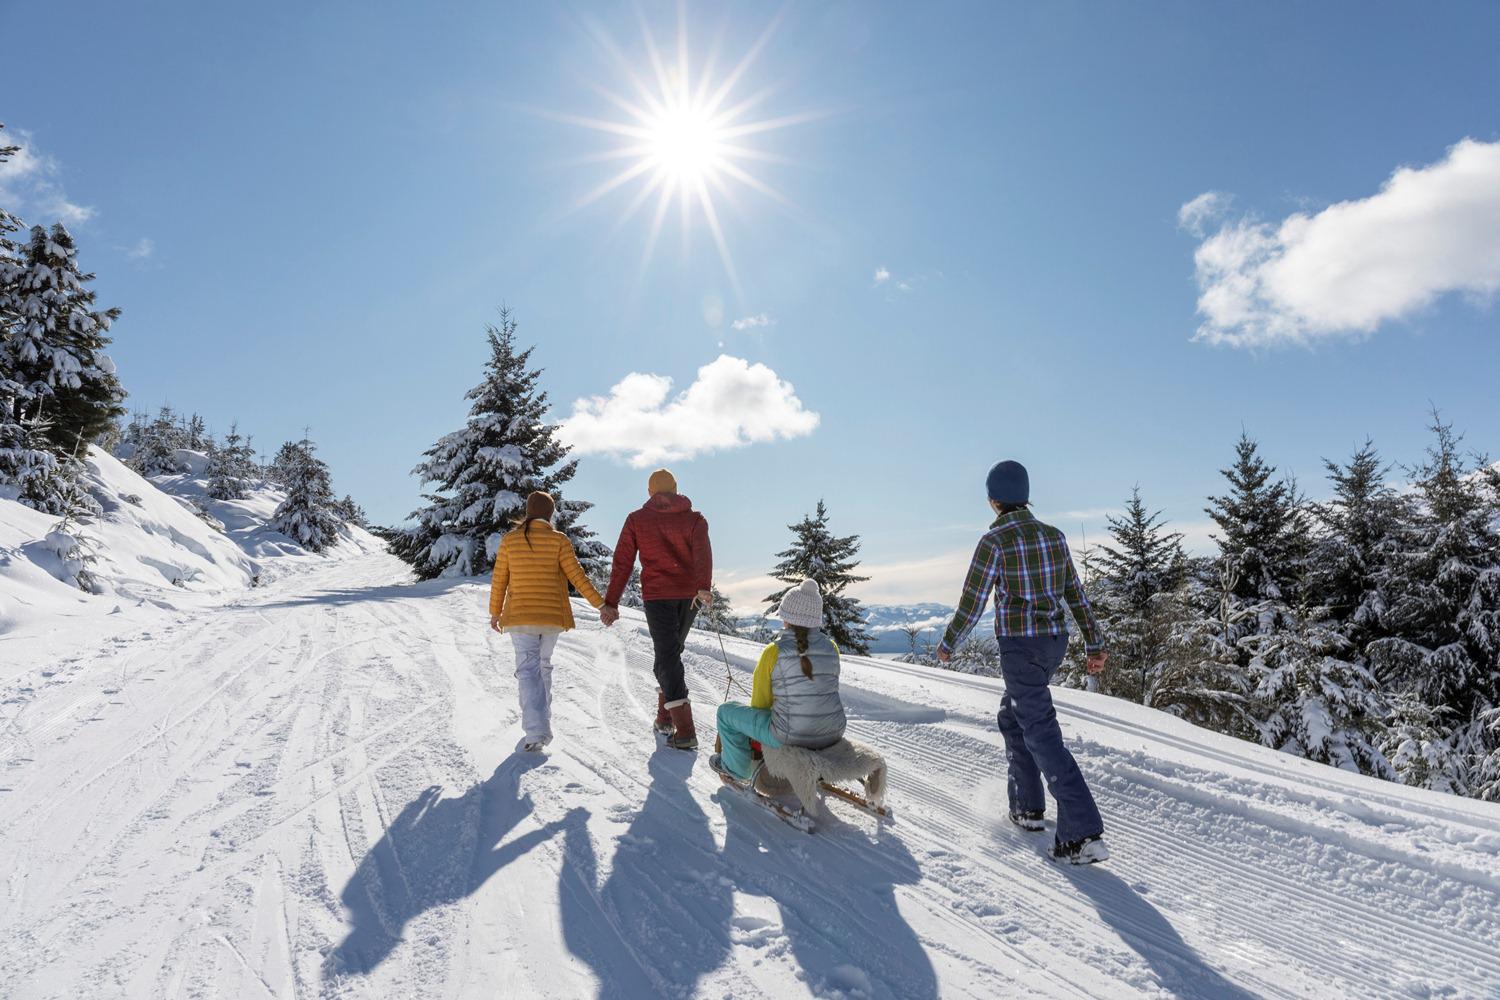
x=684 y=133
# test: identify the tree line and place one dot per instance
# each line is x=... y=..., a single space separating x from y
x=1361 y=631
x=60 y=393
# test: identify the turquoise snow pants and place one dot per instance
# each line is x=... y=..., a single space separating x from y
x=738 y=725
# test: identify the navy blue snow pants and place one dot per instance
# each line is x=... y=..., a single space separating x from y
x=1034 y=743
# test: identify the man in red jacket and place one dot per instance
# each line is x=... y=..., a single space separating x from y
x=677 y=569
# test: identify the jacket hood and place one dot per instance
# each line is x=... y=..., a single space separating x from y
x=669 y=503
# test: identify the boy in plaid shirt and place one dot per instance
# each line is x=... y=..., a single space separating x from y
x=1027 y=565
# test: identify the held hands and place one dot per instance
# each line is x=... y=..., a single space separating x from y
x=608 y=615
x=1096 y=661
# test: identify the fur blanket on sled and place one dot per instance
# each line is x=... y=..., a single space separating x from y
x=847 y=760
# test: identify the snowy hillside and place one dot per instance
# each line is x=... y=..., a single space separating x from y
x=160 y=543
x=311 y=789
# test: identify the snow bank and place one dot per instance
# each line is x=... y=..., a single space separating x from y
x=160 y=542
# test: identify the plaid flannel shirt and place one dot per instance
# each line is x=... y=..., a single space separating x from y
x=1028 y=566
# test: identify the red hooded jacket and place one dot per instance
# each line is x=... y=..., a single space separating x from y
x=672 y=540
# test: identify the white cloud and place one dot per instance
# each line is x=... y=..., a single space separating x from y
x=29 y=185
x=732 y=403
x=1198 y=213
x=143 y=249
x=1357 y=264
x=882 y=276
x=759 y=320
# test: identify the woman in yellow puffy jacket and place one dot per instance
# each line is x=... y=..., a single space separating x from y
x=529 y=601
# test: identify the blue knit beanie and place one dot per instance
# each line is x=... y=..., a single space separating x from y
x=1008 y=483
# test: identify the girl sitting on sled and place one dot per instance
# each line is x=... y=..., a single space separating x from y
x=794 y=699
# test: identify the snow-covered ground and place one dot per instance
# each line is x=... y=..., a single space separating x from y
x=161 y=545
x=311 y=789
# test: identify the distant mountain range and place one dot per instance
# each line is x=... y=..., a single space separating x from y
x=885 y=623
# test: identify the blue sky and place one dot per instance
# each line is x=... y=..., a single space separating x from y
x=334 y=199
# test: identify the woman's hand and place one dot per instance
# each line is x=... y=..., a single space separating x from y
x=495 y=623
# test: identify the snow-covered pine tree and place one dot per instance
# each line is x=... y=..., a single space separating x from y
x=154 y=444
x=350 y=511
x=195 y=435
x=1201 y=678
x=288 y=459
x=307 y=515
x=231 y=467
x=484 y=471
x=35 y=366
x=818 y=554
x=1137 y=576
x=594 y=556
x=1314 y=698
x=1264 y=529
x=1443 y=604
x=1360 y=531
x=57 y=340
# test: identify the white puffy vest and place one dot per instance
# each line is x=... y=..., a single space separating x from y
x=807 y=711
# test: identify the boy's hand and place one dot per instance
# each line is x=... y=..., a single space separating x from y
x=944 y=656
x=1096 y=661
x=705 y=599
x=608 y=615
x=495 y=623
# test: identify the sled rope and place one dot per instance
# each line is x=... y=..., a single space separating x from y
x=729 y=678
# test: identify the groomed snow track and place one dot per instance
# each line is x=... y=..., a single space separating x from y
x=314 y=791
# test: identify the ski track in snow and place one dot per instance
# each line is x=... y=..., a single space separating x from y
x=314 y=791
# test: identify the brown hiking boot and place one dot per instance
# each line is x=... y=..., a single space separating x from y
x=663 y=723
x=684 y=736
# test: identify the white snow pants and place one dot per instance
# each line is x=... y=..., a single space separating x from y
x=534 y=679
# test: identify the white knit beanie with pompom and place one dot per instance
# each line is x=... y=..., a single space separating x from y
x=802 y=605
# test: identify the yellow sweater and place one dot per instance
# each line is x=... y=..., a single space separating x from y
x=532 y=573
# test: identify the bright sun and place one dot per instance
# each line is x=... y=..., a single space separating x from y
x=683 y=138
x=686 y=143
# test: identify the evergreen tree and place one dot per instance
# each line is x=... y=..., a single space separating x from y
x=350 y=511
x=231 y=467
x=1202 y=678
x=1361 y=528
x=817 y=554
x=594 y=556
x=154 y=444
x=1315 y=699
x=55 y=342
x=1137 y=576
x=35 y=467
x=285 y=465
x=1264 y=528
x=307 y=515
x=484 y=471
x=195 y=435
x=1443 y=604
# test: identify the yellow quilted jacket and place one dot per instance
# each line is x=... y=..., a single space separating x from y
x=532 y=573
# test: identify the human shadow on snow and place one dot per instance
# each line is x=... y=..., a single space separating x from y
x=1150 y=935
x=436 y=851
x=371 y=595
x=660 y=920
x=837 y=900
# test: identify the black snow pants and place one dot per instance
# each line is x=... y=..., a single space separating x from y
x=670 y=622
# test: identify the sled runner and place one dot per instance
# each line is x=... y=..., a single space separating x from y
x=769 y=793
